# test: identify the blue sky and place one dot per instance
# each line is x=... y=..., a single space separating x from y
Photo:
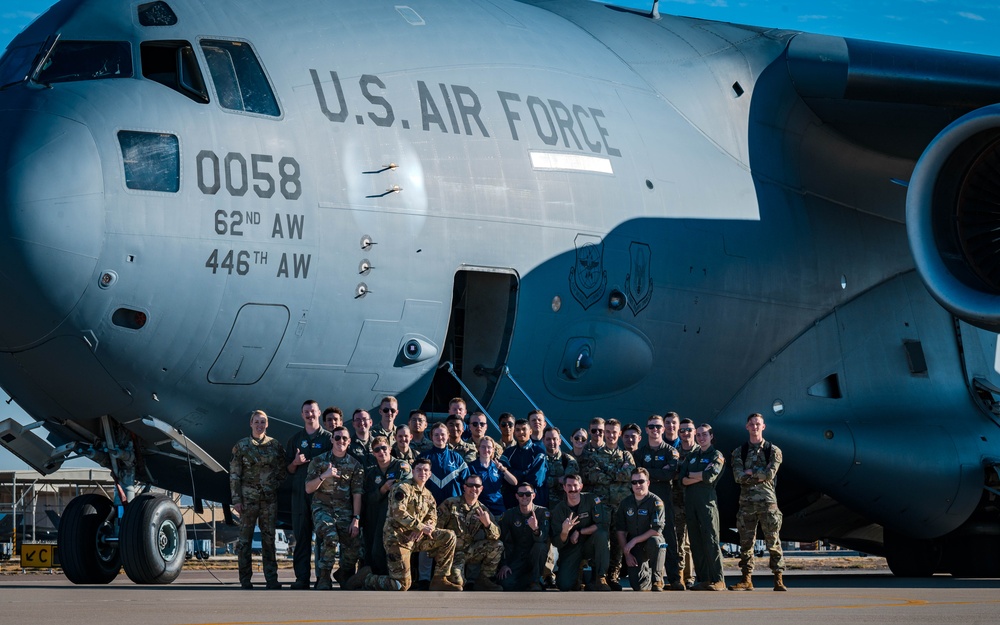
x=967 y=26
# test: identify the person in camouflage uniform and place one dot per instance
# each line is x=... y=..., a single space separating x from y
x=456 y=427
x=477 y=535
x=699 y=474
x=685 y=433
x=255 y=473
x=411 y=526
x=401 y=449
x=525 y=534
x=380 y=476
x=336 y=481
x=755 y=465
x=559 y=464
x=607 y=472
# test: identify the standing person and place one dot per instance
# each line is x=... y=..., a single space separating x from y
x=388 y=408
x=524 y=532
x=458 y=408
x=311 y=441
x=336 y=480
x=579 y=527
x=421 y=441
x=456 y=427
x=401 y=445
x=448 y=467
x=333 y=417
x=684 y=559
x=641 y=522
x=477 y=535
x=607 y=471
x=361 y=446
x=255 y=473
x=477 y=431
x=612 y=433
x=671 y=423
x=662 y=461
x=755 y=465
x=527 y=464
x=380 y=476
x=631 y=438
x=492 y=473
x=536 y=423
x=699 y=475
x=506 y=423
x=558 y=464
x=579 y=442
x=411 y=526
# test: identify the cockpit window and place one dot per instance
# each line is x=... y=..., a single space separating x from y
x=172 y=63
x=15 y=65
x=239 y=79
x=156 y=13
x=86 y=60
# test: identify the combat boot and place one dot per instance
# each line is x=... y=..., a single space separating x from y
x=443 y=583
x=743 y=584
x=779 y=582
x=599 y=585
x=487 y=584
x=614 y=584
x=357 y=581
x=323 y=581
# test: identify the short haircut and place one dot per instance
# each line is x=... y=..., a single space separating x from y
x=417 y=413
x=642 y=471
x=527 y=485
x=520 y=422
x=402 y=427
x=381 y=438
x=671 y=415
x=756 y=414
x=334 y=410
x=536 y=411
x=505 y=415
x=551 y=428
x=452 y=418
x=573 y=476
x=357 y=411
x=612 y=422
x=310 y=401
x=440 y=426
x=456 y=400
x=687 y=421
x=422 y=460
x=390 y=399
x=655 y=416
x=340 y=428
x=597 y=421
x=632 y=427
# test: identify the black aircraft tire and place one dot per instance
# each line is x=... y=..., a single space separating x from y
x=912 y=557
x=84 y=557
x=153 y=540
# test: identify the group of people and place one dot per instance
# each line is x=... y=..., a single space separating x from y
x=515 y=513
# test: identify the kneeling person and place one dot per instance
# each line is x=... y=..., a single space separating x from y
x=411 y=526
x=640 y=523
x=524 y=531
x=477 y=535
x=336 y=481
x=579 y=528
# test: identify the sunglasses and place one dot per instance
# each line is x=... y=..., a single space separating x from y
x=388 y=410
x=525 y=494
x=654 y=427
x=634 y=482
x=506 y=424
x=686 y=430
x=341 y=438
x=597 y=431
x=579 y=438
x=477 y=425
x=375 y=450
x=474 y=485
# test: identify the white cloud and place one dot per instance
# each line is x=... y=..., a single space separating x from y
x=972 y=16
x=812 y=18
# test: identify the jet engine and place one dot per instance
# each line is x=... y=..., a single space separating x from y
x=953 y=217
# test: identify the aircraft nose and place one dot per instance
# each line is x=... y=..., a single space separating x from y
x=51 y=222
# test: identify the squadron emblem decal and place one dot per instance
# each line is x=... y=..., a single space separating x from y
x=587 y=278
x=638 y=285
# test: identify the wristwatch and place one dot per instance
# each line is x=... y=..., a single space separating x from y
x=356 y=517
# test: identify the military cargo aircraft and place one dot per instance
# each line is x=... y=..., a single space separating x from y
x=212 y=207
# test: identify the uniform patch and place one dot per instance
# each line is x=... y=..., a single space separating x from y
x=546 y=514
x=647 y=458
x=378 y=479
x=630 y=512
x=517 y=523
x=597 y=500
x=643 y=512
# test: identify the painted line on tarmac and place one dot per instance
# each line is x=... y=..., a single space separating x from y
x=886 y=603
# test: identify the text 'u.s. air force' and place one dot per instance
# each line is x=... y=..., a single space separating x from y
x=458 y=109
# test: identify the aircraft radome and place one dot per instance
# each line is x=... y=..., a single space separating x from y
x=207 y=208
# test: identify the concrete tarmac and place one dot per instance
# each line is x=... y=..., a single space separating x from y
x=202 y=597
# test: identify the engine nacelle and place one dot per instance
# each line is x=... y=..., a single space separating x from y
x=953 y=217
